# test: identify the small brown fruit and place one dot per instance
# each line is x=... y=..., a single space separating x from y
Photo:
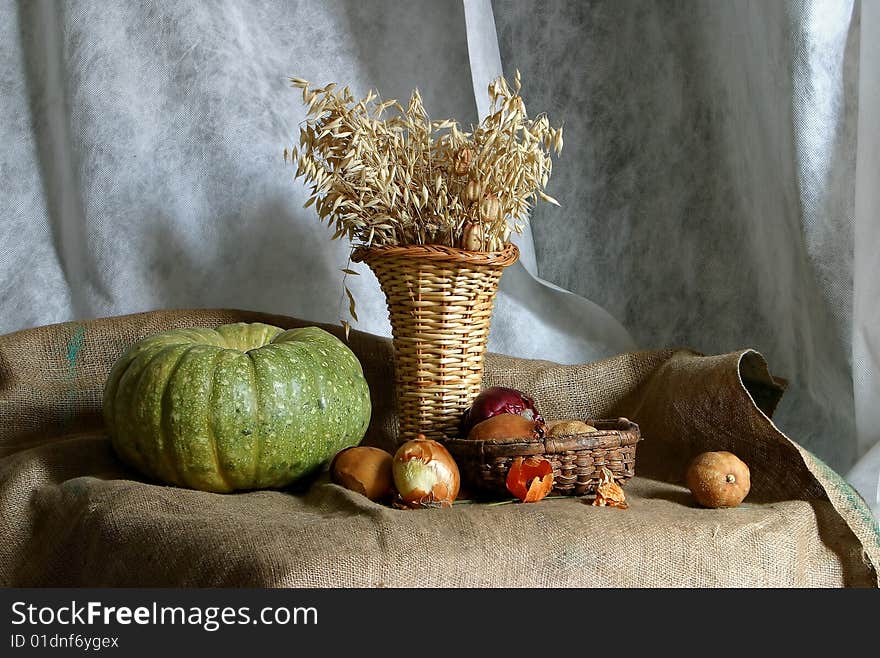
x=365 y=470
x=718 y=479
x=505 y=426
x=565 y=427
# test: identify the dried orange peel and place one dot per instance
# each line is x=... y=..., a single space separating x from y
x=530 y=479
x=609 y=492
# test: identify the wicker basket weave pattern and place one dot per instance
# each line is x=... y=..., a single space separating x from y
x=440 y=302
x=577 y=459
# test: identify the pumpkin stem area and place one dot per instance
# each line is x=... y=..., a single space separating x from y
x=731 y=478
x=246 y=337
x=248 y=348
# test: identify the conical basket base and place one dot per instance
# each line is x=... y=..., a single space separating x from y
x=440 y=303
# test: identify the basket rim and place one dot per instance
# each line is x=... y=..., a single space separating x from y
x=614 y=433
x=439 y=253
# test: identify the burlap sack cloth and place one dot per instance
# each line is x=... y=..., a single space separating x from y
x=71 y=514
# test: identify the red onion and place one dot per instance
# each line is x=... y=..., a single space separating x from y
x=499 y=400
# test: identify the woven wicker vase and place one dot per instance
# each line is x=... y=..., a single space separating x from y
x=440 y=303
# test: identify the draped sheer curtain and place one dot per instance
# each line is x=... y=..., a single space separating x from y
x=718 y=184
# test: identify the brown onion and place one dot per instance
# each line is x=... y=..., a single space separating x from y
x=425 y=474
x=505 y=426
x=498 y=400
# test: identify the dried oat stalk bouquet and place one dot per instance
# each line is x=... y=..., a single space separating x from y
x=383 y=175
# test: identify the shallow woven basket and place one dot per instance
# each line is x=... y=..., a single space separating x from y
x=577 y=459
x=440 y=304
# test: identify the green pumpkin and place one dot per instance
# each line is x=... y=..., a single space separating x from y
x=243 y=406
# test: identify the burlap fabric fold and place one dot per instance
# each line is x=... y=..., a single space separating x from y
x=71 y=514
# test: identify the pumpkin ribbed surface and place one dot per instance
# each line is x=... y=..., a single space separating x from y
x=243 y=406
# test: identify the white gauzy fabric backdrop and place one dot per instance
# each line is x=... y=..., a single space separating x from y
x=719 y=179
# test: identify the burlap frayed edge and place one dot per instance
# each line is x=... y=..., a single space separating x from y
x=846 y=501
